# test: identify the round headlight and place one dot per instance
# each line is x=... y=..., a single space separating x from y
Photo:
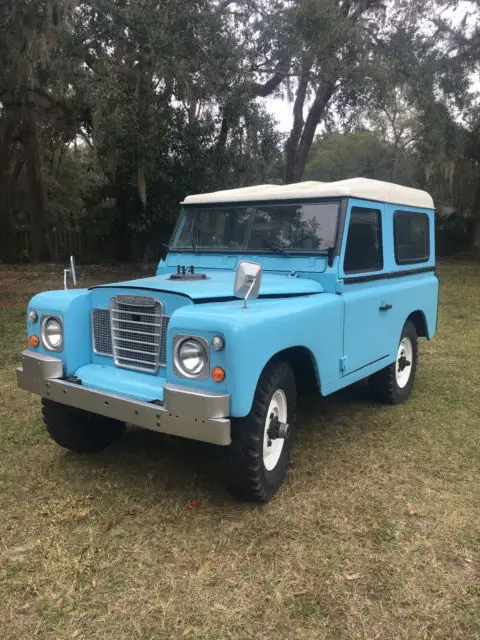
x=52 y=334
x=191 y=357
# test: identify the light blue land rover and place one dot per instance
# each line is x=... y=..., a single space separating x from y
x=267 y=292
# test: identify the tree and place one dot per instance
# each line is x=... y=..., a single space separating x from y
x=346 y=52
x=31 y=74
x=337 y=156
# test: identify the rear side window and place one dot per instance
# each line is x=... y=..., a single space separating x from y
x=411 y=234
x=364 y=241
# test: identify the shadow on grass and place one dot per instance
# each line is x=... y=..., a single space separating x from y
x=189 y=468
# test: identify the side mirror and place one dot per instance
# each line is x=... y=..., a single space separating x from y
x=70 y=271
x=247 y=281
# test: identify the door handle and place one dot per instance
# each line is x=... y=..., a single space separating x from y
x=385 y=307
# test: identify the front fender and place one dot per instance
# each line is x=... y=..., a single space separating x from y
x=73 y=307
x=256 y=334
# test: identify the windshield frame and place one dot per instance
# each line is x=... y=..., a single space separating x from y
x=334 y=250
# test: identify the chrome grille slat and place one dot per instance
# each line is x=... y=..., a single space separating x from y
x=137 y=360
x=143 y=313
x=135 y=341
x=138 y=322
x=144 y=333
x=147 y=353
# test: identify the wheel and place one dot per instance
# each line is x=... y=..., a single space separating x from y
x=393 y=384
x=79 y=430
x=257 y=459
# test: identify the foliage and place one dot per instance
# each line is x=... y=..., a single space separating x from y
x=112 y=111
x=337 y=156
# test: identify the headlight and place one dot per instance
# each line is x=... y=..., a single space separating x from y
x=52 y=333
x=190 y=357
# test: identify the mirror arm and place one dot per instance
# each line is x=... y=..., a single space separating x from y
x=70 y=271
x=245 y=300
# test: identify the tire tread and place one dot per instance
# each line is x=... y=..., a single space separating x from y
x=246 y=477
x=79 y=430
x=383 y=384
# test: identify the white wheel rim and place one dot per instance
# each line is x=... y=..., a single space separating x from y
x=272 y=449
x=404 y=356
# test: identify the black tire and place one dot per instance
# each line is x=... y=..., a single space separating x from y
x=79 y=430
x=384 y=384
x=247 y=476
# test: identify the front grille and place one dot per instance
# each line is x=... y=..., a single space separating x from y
x=102 y=337
x=136 y=332
x=133 y=331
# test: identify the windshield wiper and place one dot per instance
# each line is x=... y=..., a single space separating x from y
x=275 y=247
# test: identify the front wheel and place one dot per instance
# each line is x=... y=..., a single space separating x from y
x=257 y=459
x=79 y=430
x=393 y=384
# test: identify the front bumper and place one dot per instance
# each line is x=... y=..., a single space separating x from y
x=186 y=412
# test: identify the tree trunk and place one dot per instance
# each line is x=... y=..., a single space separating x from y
x=6 y=231
x=300 y=145
x=221 y=142
x=475 y=244
x=291 y=149
x=36 y=195
x=8 y=131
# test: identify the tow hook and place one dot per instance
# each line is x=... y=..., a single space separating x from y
x=277 y=429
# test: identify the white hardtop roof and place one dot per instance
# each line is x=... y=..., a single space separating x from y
x=362 y=188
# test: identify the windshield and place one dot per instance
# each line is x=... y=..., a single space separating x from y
x=301 y=226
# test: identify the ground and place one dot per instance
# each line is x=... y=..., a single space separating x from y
x=376 y=533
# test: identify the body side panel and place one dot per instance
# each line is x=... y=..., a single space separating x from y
x=371 y=333
x=254 y=335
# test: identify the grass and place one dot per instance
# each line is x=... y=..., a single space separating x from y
x=376 y=533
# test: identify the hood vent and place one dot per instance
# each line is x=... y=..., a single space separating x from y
x=187 y=273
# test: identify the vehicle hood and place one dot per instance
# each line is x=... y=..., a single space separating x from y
x=219 y=285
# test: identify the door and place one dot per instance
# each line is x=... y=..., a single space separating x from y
x=365 y=289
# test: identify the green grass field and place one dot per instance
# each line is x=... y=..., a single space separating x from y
x=376 y=533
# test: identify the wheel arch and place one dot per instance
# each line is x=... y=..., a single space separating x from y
x=304 y=367
x=420 y=321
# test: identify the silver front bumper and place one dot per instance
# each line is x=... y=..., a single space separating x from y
x=186 y=412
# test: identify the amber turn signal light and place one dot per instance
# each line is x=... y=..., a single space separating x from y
x=218 y=374
x=33 y=341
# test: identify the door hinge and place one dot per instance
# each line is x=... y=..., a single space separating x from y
x=343 y=363
x=339 y=286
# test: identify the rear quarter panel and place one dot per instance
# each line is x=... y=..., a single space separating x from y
x=412 y=287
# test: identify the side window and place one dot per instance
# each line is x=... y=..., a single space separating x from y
x=411 y=236
x=364 y=241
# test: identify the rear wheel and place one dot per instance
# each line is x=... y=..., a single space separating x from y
x=79 y=430
x=393 y=384
x=258 y=457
